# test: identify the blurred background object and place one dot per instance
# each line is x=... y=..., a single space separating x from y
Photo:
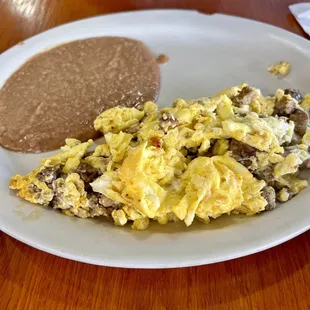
x=21 y=19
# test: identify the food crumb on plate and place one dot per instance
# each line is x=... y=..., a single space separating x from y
x=162 y=59
x=281 y=69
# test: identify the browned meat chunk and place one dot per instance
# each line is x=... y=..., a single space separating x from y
x=48 y=175
x=242 y=152
x=58 y=202
x=107 y=202
x=296 y=139
x=270 y=195
x=241 y=149
x=38 y=194
x=285 y=106
x=101 y=205
x=265 y=174
x=168 y=121
x=305 y=164
x=95 y=208
x=294 y=93
x=87 y=173
x=245 y=97
x=300 y=118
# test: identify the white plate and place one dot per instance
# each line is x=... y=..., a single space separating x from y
x=207 y=53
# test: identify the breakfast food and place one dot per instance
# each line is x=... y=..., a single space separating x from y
x=281 y=69
x=162 y=59
x=60 y=92
x=235 y=152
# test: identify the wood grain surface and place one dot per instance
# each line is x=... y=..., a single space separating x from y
x=278 y=278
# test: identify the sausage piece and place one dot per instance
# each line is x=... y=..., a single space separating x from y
x=285 y=106
x=242 y=152
x=294 y=93
x=245 y=97
x=270 y=196
x=300 y=118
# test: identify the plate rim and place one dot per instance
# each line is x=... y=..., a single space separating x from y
x=130 y=264
x=166 y=11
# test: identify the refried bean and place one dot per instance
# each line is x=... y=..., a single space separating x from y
x=162 y=59
x=59 y=93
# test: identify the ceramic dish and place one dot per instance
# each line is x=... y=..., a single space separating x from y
x=207 y=53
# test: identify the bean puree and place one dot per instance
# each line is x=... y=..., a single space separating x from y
x=58 y=93
x=162 y=59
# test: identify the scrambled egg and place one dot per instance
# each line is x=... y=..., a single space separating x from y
x=176 y=164
x=281 y=69
x=306 y=103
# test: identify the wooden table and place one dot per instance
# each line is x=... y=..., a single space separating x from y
x=278 y=278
